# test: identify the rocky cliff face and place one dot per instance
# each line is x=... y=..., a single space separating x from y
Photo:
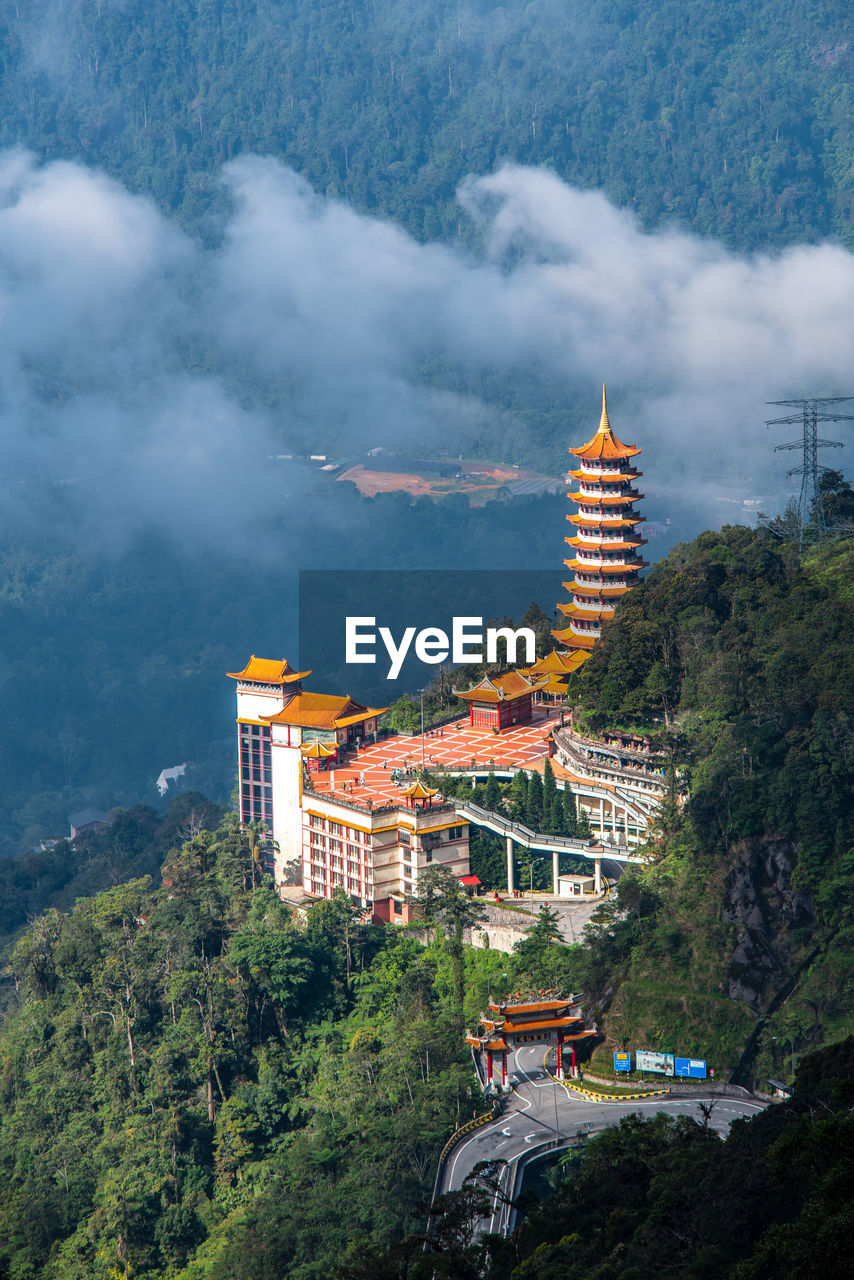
x=761 y=903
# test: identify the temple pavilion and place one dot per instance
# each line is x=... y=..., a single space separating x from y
x=551 y=1019
x=605 y=561
x=498 y=702
x=556 y=667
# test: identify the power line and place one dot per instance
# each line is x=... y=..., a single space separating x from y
x=810 y=500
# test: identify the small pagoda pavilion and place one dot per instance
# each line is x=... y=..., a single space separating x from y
x=550 y=1019
x=419 y=795
x=605 y=543
x=498 y=702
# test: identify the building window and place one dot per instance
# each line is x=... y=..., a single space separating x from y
x=455 y=833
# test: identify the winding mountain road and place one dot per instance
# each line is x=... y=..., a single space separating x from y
x=540 y=1115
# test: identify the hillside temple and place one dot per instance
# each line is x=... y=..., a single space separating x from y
x=338 y=793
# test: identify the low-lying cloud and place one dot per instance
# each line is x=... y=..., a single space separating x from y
x=145 y=380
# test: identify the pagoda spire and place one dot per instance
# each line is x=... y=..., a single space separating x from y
x=604 y=424
x=605 y=540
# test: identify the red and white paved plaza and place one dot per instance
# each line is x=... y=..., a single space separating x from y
x=367 y=775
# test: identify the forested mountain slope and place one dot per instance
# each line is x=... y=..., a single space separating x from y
x=738 y=654
x=731 y=116
x=192 y=1079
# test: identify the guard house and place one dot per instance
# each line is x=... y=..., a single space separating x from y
x=550 y=1020
x=501 y=701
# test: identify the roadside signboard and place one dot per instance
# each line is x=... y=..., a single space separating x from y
x=622 y=1062
x=660 y=1062
x=693 y=1067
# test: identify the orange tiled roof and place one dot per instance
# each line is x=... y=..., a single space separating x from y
x=537 y=1006
x=419 y=792
x=609 y=546
x=323 y=711
x=268 y=671
x=606 y=499
x=574 y=611
x=573 y=640
x=546 y=1024
x=605 y=444
x=582 y=566
x=500 y=688
x=585 y=589
x=609 y=478
x=554 y=663
x=602 y=521
x=319 y=750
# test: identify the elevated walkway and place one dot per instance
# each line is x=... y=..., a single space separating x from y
x=518 y=833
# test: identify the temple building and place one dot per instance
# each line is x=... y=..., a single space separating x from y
x=373 y=845
x=556 y=667
x=498 y=702
x=552 y=1020
x=605 y=561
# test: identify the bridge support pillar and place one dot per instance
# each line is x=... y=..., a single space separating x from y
x=510 y=882
x=555 y=870
x=597 y=875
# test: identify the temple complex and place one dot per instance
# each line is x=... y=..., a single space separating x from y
x=341 y=796
x=549 y=1019
x=605 y=561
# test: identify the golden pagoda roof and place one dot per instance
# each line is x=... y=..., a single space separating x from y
x=323 y=711
x=419 y=792
x=606 y=499
x=605 y=444
x=573 y=640
x=604 y=522
x=585 y=589
x=268 y=671
x=319 y=750
x=584 y=544
x=581 y=566
x=594 y=615
x=504 y=688
x=605 y=477
x=554 y=663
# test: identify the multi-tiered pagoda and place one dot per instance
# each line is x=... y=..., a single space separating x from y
x=605 y=560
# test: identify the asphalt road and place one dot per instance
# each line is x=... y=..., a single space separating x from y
x=539 y=1112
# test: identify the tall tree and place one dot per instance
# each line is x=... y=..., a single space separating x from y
x=534 y=803
x=442 y=899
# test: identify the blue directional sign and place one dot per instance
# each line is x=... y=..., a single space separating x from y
x=694 y=1067
x=622 y=1062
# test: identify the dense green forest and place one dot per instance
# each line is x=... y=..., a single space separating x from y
x=731 y=117
x=192 y=1076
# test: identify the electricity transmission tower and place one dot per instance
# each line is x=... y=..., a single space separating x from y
x=810 y=503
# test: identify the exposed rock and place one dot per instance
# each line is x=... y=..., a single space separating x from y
x=760 y=900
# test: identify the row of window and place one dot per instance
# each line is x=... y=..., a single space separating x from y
x=317 y=823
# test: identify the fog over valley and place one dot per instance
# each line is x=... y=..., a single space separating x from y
x=146 y=380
